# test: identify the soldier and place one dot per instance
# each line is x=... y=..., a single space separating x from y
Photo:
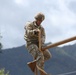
x=32 y=42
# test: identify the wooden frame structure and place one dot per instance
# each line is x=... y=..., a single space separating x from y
x=33 y=65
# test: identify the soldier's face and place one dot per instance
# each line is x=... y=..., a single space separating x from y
x=39 y=22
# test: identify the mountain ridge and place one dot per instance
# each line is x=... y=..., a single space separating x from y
x=15 y=60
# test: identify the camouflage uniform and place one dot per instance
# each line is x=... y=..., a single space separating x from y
x=32 y=43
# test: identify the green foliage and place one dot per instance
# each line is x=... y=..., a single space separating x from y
x=2 y=72
x=0 y=45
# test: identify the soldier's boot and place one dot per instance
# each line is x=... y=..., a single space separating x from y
x=32 y=65
x=48 y=74
x=41 y=71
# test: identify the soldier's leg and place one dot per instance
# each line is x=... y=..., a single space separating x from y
x=40 y=60
x=47 y=55
x=34 y=51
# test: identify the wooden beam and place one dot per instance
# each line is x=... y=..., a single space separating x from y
x=59 y=43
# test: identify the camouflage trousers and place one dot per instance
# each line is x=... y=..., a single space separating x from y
x=38 y=55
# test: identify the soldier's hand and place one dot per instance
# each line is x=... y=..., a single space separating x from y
x=36 y=31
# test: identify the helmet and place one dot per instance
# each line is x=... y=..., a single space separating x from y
x=40 y=16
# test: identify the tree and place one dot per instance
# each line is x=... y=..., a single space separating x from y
x=0 y=47
x=0 y=43
x=2 y=72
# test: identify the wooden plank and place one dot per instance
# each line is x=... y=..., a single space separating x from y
x=59 y=43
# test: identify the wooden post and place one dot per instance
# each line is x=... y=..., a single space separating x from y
x=41 y=71
x=40 y=40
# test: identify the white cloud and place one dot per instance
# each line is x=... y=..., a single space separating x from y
x=23 y=3
x=60 y=21
x=62 y=16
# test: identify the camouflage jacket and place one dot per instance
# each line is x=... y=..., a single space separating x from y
x=29 y=32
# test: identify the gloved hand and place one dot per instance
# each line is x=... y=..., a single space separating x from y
x=36 y=31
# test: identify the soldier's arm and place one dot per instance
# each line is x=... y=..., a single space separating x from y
x=29 y=30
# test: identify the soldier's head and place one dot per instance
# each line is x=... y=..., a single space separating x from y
x=39 y=17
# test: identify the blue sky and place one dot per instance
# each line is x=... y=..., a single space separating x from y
x=59 y=24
